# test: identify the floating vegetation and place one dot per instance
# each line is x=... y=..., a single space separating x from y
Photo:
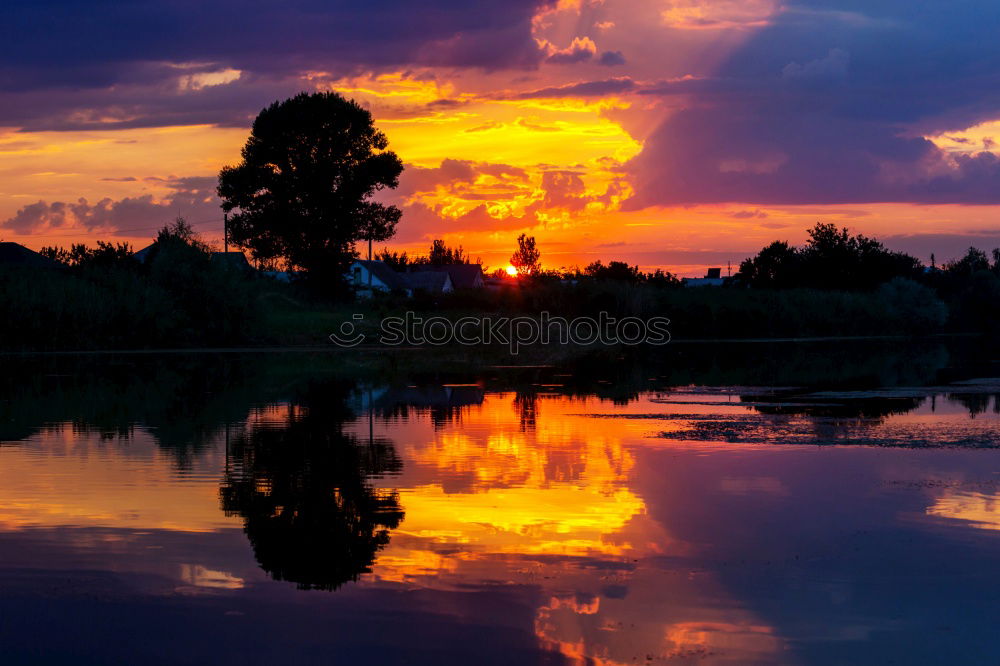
x=885 y=417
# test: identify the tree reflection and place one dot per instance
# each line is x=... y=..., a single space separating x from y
x=526 y=404
x=976 y=403
x=302 y=487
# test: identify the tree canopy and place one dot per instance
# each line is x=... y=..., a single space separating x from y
x=974 y=261
x=614 y=270
x=526 y=258
x=442 y=255
x=81 y=255
x=831 y=259
x=303 y=193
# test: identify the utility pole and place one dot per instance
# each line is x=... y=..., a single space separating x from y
x=369 y=248
x=225 y=232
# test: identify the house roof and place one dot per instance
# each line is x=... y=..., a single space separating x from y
x=384 y=273
x=142 y=255
x=452 y=396
x=280 y=276
x=236 y=260
x=463 y=276
x=703 y=282
x=431 y=281
x=17 y=254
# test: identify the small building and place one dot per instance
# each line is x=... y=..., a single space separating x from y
x=15 y=254
x=441 y=403
x=144 y=254
x=431 y=282
x=713 y=278
x=236 y=261
x=279 y=276
x=494 y=283
x=233 y=260
x=369 y=277
x=463 y=276
x=389 y=398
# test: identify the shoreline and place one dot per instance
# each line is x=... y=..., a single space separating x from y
x=314 y=349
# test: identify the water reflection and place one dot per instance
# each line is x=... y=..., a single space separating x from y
x=303 y=489
x=924 y=416
x=605 y=511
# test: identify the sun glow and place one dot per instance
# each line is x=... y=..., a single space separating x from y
x=511 y=271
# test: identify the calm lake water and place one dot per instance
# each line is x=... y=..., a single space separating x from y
x=827 y=504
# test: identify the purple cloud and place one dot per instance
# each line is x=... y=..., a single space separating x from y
x=748 y=214
x=70 y=65
x=832 y=107
x=944 y=246
x=611 y=59
x=193 y=198
x=583 y=89
x=580 y=49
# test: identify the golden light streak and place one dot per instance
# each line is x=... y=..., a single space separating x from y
x=975 y=139
x=90 y=484
x=980 y=510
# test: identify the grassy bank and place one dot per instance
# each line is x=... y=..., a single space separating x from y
x=190 y=303
x=897 y=309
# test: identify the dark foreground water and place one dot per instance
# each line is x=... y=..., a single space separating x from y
x=829 y=504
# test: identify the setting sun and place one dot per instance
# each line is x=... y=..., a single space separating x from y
x=511 y=271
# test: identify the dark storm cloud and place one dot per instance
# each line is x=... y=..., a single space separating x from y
x=154 y=104
x=63 y=60
x=829 y=104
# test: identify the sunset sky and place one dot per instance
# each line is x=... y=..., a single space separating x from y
x=668 y=133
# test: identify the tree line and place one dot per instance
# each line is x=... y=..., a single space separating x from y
x=305 y=196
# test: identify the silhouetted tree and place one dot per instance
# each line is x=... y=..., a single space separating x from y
x=831 y=259
x=662 y=278
x=82 y=256
x=972 y=288
x=526 y=258
x=442 y=255
x=396 y=260
x=777 y=265
x=975 y=260
x=834 y=259
x=615 y=270
x=303 y=192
